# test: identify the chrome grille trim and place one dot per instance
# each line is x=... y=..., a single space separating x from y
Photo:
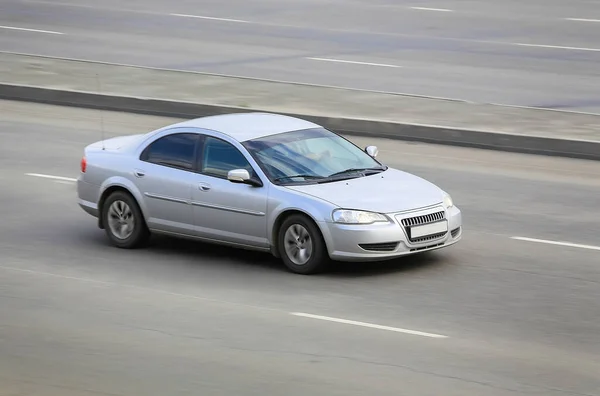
x=426 y=247
x=424 y=219
x=429 y=238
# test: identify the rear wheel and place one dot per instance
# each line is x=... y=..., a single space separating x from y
x=301 y=245
x=123 y=221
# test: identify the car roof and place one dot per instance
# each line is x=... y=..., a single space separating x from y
x=248 y=126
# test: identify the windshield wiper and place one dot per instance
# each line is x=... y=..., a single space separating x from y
x=356 y=170
x=310 y=177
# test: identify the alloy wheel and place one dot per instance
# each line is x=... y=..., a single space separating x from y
x=298 y=244
x=121 y=220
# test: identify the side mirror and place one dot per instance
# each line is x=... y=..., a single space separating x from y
x=242 y=176
x=238 y=176
x=372 y=151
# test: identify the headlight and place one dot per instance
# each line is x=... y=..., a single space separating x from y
x=448 y=201
x=357 y=217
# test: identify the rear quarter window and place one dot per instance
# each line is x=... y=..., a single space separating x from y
x=177 y=151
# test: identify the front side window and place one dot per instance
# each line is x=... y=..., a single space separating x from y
x=313 y=155
x=219 y=157
x=176 y=151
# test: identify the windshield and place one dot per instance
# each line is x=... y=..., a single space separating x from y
x=311 y=155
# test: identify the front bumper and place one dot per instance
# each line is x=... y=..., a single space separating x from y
x=389 y=240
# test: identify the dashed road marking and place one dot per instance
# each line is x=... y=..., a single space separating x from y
x=210 y=18
x=61 y=178
x=29 y=30
x=370 y=325
x=582 y=20
x=558 y=47
x=559 y=243
x=353 y=62
x=432 y=9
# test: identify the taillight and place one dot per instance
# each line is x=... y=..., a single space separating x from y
x=83 y=164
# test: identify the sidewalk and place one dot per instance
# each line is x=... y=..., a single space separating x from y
x=411 y=117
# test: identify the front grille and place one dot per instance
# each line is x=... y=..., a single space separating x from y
x=427 y=247
x=424 y=219
x=379 y=247
x=410 y=222
x=428 y=238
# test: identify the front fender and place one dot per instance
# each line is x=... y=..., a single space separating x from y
x=282 y=201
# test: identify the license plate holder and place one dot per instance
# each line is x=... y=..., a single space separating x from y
x=425 y=230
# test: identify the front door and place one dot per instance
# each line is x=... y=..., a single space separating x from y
x=224 y=210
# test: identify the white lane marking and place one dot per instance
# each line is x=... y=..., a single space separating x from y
x=557 y=47
x=432 y=9
x=567 y=244
x=29 y=30
x=352 y=62
x=211 y=18
x=68 y=179
x=370 y=325
x=582 y=20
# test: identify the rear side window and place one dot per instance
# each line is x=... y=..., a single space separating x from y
x=176 y=151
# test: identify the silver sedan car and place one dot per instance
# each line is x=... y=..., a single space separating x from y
x=267 y=182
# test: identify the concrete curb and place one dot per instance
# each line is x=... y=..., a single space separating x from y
x=357 y=127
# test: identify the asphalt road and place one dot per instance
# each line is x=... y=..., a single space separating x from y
x=535 y=53
x=78 y=317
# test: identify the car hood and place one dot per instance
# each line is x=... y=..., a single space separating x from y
x=385 y=192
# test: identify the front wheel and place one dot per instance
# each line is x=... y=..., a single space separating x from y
x=123 y=221
x=301 y=246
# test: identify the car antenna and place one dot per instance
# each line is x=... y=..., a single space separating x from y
x=101 y=113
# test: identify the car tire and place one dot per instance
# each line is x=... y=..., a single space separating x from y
x=301 y=245
x=124 y=222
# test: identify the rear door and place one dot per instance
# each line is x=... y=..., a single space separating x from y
x=164 y=175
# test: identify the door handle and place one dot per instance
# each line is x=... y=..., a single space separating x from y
x=139 y=173
x=204 y=186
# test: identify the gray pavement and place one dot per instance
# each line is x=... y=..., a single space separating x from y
x=78 y=317
x=509 y=52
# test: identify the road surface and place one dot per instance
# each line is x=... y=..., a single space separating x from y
x=493 y=315
x=536 y=53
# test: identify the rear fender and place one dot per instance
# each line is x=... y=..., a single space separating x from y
x=121 y=183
